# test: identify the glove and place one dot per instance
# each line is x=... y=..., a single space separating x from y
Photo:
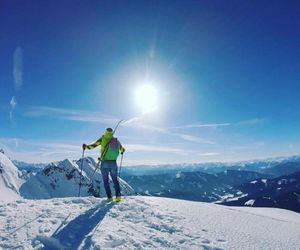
x=84 y=146
x=122 y=150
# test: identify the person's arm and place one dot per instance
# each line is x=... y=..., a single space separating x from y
x=93 y=145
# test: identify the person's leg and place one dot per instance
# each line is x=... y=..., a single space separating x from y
x=114 y=177
x=105 y=172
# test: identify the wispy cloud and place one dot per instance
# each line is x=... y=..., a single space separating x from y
x=253 y=121
x=209 y=154
x=88 y=116
x=153 y=148
x=69 y=114
x=203 y=125
x=18 y=68
x=13 y=104
x=192 y=138
x=48 y=150
x=18 y=79
x=41 y=151
x=137 y=122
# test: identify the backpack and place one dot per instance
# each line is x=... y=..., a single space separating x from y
x=113 y=150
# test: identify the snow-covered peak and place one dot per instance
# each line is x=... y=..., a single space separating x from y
x=62 y=179
x=10 y=180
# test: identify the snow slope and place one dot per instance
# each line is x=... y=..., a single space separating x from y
x=10 y=181
x=144 y=223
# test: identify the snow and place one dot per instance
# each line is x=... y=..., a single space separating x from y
x=143 y=223
x=249 y=202
x=10 y=181
x=282 y=181
x=264 y=181
x=228 y=197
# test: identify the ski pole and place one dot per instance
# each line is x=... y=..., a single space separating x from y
x=81 y=172
x=96 y=168
x=121 y=164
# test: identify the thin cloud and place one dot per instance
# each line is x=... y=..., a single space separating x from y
x=13 y=104
x=209 y=154
x=154 y=148
x=87 y=116
x=69 y=114
x=253 y=121
x=48 y=151
x=42 y=151
x=145 y=126
x=136 y=122
x=202 y=125
x=18 y=68
x=196 y=139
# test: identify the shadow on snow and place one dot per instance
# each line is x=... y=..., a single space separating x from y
x=77 y=230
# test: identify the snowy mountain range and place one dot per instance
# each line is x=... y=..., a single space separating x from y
x=196 y=186
x=59 y=179
x=282 y=192
x=272 y=166
x=62 y=180
x=232 y=186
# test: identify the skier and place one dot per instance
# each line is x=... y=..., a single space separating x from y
x=110 y=149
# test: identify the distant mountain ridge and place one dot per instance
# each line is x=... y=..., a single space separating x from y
x=197 y=186
x=21 y=165
x=282 y=192
x=224 y=184
x=271 y=166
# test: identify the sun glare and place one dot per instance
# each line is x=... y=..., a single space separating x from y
x=146 y=98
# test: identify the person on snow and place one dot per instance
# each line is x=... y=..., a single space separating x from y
x=110 y=149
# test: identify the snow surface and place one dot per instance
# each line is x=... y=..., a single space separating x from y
x=143 y=223
x=253 y=182
x=10 y=180
x=249 y=202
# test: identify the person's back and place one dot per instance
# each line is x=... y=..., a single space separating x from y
x=110 y=149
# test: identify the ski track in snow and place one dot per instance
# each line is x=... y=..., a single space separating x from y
x=143 y=223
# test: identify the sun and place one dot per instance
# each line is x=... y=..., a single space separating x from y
x=146 y=98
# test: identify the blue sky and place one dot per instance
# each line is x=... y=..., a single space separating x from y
x=226 y=76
